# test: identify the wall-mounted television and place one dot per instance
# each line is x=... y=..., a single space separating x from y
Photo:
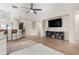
x=55 y=22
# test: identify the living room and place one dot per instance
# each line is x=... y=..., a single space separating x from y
x=27 y=24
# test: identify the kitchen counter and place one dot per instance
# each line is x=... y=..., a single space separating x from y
x=3 y=47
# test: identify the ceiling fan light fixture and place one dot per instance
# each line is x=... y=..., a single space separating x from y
x=31 y=10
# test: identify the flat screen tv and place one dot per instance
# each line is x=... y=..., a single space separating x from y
x=55 y=23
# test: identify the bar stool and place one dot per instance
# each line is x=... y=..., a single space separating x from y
x=14 y=31
x=6 y=34
x=23 y=33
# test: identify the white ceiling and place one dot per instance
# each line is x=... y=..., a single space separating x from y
x=48 y=10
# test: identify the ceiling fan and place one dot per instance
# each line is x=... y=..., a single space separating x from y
x=31 y=8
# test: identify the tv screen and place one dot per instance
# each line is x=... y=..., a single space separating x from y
x=55 y=23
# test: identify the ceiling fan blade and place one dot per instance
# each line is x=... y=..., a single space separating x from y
x=28 y=11
x=31 y=5
x=14 y=6
x=34 y=12
x=37 y=9
x=25 y=7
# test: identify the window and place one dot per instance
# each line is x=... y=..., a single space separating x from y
x=4 y=26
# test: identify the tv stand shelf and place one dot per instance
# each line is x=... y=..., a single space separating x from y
x=55 y=34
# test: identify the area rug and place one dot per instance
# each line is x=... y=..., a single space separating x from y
x=37 y=49
x=14 y=46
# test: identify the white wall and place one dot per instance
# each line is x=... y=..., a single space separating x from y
x=71 y=26
x=64 y=28
x=34 y=27
x=77 y=26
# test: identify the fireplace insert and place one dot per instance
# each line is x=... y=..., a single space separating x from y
x=55 y=34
